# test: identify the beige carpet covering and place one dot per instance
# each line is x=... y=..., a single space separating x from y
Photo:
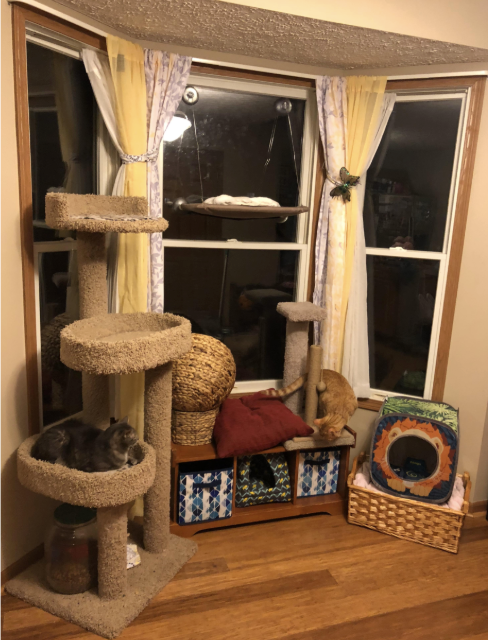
x=107 y=618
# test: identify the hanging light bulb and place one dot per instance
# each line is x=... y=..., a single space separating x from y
x=177 y=127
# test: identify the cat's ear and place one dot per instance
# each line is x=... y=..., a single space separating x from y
x=124 y=420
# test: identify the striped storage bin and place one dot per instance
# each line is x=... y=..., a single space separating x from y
x=318 y=472
x=205 y=493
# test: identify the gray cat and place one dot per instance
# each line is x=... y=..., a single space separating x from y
x=87 y=448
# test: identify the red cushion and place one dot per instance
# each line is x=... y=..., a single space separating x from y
x=254 y=423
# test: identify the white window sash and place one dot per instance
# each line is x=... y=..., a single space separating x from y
x=306 y=190
x=443 y=256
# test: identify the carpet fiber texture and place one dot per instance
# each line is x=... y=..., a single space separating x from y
x=107 y=618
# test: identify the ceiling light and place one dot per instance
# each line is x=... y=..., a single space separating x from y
x=177 y=127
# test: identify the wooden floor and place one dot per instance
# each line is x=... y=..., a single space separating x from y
x=310 y=578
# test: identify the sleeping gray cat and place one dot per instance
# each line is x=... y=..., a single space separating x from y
x=87 y=448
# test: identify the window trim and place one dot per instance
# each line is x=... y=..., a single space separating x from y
x=475 y=86
x=21 y=17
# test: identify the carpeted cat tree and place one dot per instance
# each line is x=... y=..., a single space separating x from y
x=100 y=345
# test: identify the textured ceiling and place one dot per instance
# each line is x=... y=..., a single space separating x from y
x=237 y=29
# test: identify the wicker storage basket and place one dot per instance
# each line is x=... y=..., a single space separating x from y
x=202 y=380
x=193 y=427
x=427 y=524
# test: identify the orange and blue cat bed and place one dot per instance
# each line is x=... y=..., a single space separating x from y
x=414 y=450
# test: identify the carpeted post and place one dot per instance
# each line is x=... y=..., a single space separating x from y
x=157 y=433
x=112 y=551
x=92 y=277
x=92 y=273
x=96 y=400
x=298 y=316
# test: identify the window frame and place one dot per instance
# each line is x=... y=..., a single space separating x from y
x=306 y=189
x=68 y=38
x=474 y=87
x=442 y=256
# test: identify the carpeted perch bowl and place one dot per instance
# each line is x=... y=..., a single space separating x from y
x=202 y=380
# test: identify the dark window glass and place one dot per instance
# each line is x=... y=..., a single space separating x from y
x=239 y=145
x=401 y=297
x=232 y=295
x=408 y=183
x=61 y=120
x=58 y=297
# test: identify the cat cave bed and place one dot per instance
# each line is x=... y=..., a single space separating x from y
x=100 y=345
x=242 y=212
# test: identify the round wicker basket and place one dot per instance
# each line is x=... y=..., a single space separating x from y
x=202 y=380
x=193 y=427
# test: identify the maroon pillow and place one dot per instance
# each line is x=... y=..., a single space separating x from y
x=254 y=423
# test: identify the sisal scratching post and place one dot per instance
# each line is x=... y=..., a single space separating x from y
x=298 y=316
x=112 y=551
x=157 y=433
x=313 y=378
x=295 y=361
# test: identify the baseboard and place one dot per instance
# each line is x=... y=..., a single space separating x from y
x=478 y=507
x=22 y=563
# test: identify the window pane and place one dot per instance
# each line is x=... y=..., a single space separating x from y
x=401 y=297
x=58 y=296
x=61 y=120
x=408 y=183
x=226 y=151
x=232 y=295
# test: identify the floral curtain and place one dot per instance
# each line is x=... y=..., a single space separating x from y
x=331 y=230
x=166 y=78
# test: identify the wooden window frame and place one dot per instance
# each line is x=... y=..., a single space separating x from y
x=476 y=85
x=20 y=16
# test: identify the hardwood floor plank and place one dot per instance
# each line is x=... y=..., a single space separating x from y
x=454 y=619
x=306 y=578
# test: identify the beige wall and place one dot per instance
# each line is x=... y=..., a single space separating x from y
x=24 y=514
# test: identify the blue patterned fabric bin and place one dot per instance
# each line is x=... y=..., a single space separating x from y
x=318 y=472
x=205 y=495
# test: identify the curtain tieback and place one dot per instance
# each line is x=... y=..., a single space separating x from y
x=151 y=156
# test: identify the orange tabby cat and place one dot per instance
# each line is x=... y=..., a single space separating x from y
x=337 y=401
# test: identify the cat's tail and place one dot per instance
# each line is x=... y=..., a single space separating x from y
x=286 y=391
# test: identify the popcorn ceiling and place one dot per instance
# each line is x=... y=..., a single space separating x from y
x=236 y=29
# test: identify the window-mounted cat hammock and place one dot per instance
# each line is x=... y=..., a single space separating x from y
x=242 y=212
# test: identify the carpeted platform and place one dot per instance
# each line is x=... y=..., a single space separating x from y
x=107 y=618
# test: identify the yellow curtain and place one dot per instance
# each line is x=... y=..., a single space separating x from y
x=364 y=100
x=127 y=69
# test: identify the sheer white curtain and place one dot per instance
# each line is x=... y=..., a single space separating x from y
x=355 y=363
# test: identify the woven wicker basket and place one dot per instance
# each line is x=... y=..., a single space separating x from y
x=193 y=427
x=420 y=522
x=202 y=380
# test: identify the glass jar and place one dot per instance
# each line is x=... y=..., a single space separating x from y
x=71 y=550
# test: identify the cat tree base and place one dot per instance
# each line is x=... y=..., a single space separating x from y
x=107 y=618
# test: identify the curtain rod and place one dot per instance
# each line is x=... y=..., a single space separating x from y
x=235 y=65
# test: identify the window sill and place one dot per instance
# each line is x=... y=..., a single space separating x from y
x=369 y=404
